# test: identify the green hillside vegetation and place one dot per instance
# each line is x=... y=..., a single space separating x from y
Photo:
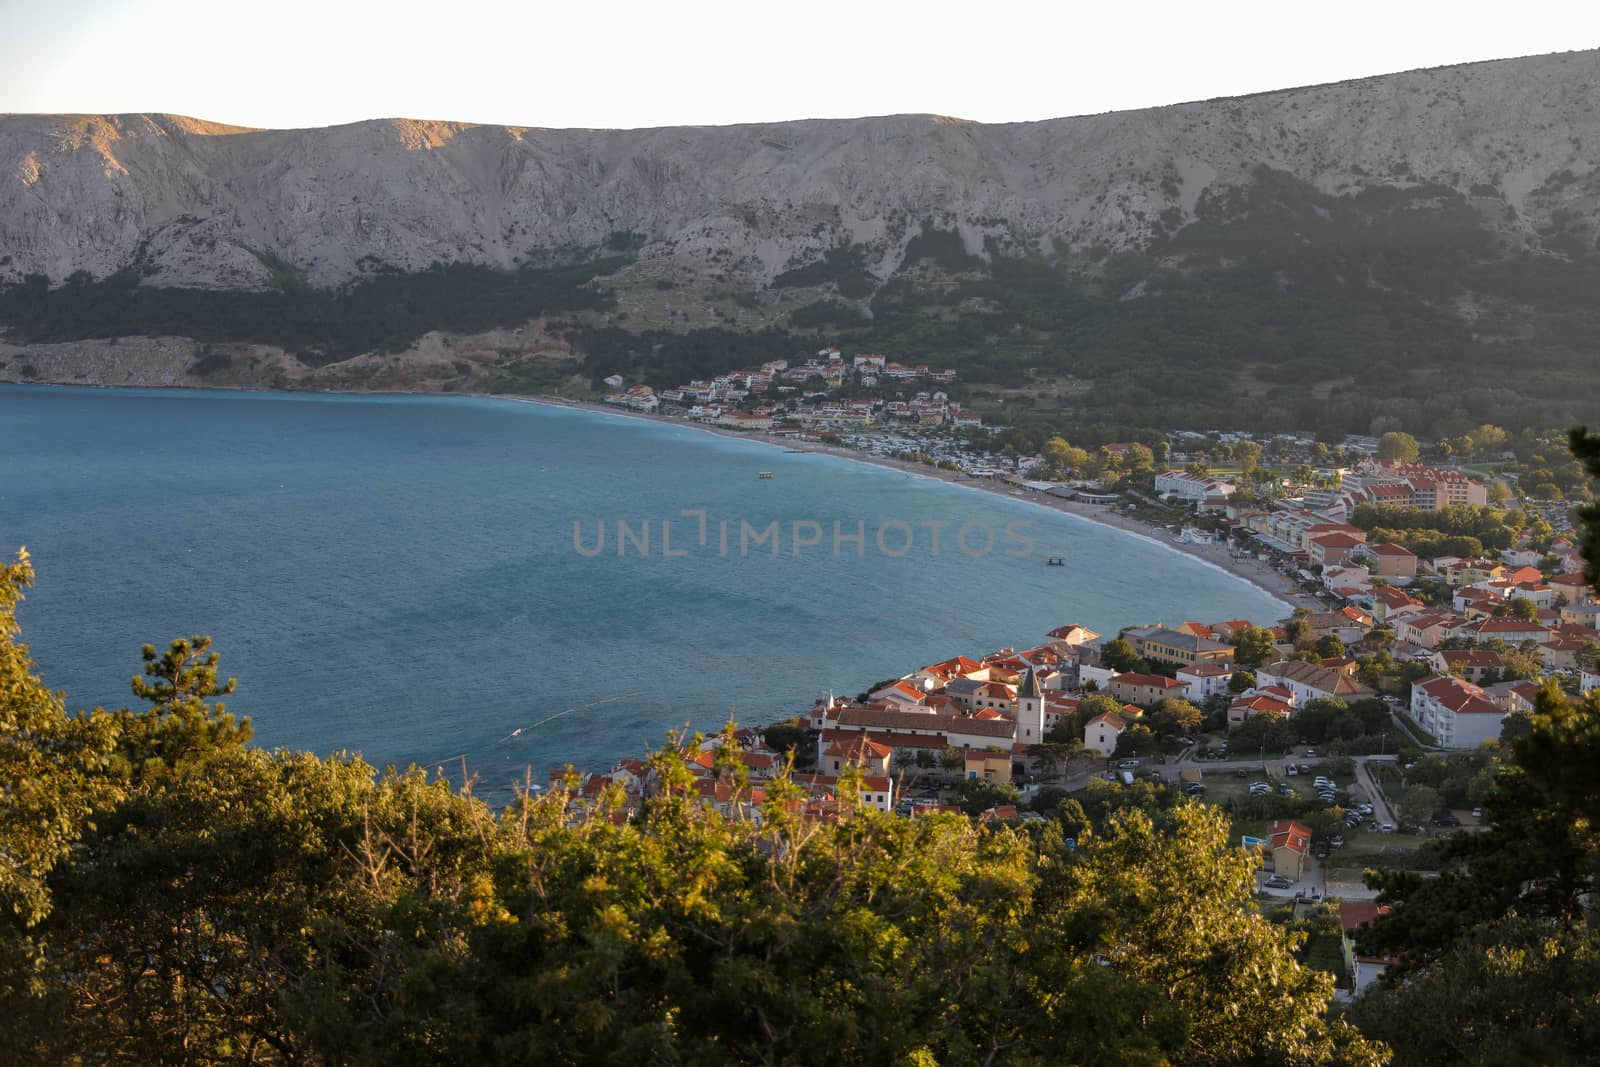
x=1460 y=530
x=172 y=894
x=387 y=312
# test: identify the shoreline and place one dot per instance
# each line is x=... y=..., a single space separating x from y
x=1249 y=570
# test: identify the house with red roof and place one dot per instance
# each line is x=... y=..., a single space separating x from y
x=1395 y=562
x=830 y=796
x=1564 y=653
x=899 y=692
x=1144 y=689
x=1201 y=681
x=991 y=766
x=856 y=750
x=1457 y=713
x=1327 y=550
x=1511 y=631
x=1573 y=587
x=1389 y=602
x=1428 y=629
x=1311 y=681
x=1289 y=842
x=1248 y=704
x=1362 y=970
x=1225 y=630
x=1072 y=636
x=1101 y=733
x=1469 y=663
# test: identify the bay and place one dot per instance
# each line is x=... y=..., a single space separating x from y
x=399 y=575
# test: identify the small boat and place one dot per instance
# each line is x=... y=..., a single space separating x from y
x=764 y=474
x=1056 y=561
x=795 y=451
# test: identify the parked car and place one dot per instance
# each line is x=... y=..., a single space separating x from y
x=1128 y=763
x=1279 y=881
x=1386 y=828
x=1336 y=841
x=1446 y=820
x=1477 y=813
x=1292 y=771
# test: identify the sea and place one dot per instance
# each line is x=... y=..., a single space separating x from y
x=497 y=587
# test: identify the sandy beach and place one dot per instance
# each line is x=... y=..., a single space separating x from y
x=1248 y=569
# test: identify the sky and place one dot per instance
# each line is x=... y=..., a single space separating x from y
x=298 y=63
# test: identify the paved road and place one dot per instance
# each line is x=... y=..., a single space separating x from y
x=1380 y=807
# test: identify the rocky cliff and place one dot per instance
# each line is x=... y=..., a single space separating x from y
x=199 y=204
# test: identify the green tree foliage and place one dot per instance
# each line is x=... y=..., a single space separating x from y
x=1420 y=804
x=179 y=722
x=1514 y=899
x=1300 y=633
x=1173 y=716
x=200 y=901
x=385 y=312
x=793 y=735
x=1509 y=992
x=1518 y=607
x=1064 y=459
x=1271 y=733
x=1395 y=445
x=50 y=765
x=1586 y=449
x=976 y=795
x=1137 y=740
x=1118 y=654
x=1253 y=646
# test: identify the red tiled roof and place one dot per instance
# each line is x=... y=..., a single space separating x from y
x=1290 y=834
x=1462 y=698
x=1155 y=681
x=1356 y=914
x=1262 y=704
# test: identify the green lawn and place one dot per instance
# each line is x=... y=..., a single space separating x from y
x=1325 y=952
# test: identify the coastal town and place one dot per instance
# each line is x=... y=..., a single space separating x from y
x=1428 y=607
x=1385 y=694
x=806 y=396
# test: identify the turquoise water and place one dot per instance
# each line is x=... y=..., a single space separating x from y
x=398 y=576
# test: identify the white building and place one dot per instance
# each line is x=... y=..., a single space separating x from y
x=1101 y=732
x=1458 y=714
x=1181 y=485
x=1204 y=680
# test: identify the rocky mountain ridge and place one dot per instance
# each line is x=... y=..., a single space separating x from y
x=187 y=203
